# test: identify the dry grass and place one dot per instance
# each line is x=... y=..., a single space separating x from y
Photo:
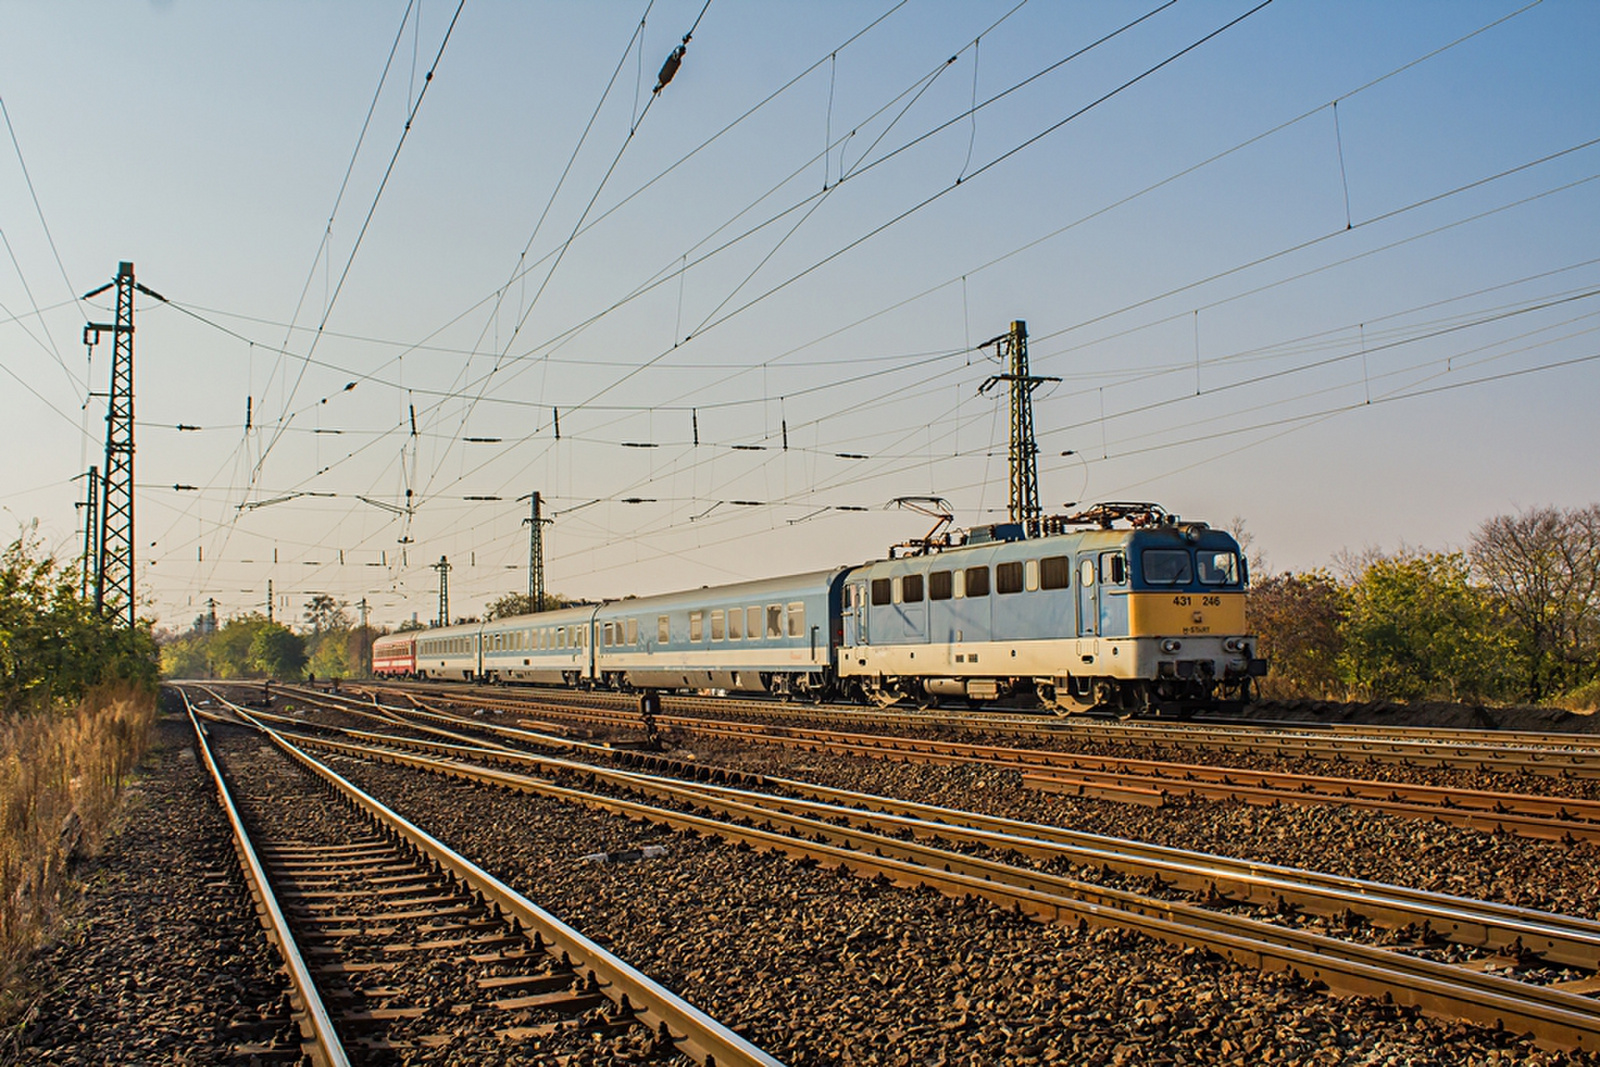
x=61 y=776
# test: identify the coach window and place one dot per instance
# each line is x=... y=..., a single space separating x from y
x=735 y=624
x=1030 y=575
x=633 y=631
x=880 y=592
x=1166 y=566
x=1008 y=577
x=977 y=581
x=752 y=623
x=605 y=636
x=1055 y=572
x=939 y=585
x=697 y=625
x=912 y=586
x=717 y=631
x=663 y=630
x=774 y=620
x=797 y=619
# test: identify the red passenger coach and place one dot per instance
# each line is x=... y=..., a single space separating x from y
x=395 y=655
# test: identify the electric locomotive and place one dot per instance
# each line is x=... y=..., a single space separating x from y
x=1148 y=616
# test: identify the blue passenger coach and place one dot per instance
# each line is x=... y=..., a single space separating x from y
x=552 y=647
x=776 y=635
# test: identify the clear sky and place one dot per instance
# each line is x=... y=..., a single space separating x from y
x=1329 y=268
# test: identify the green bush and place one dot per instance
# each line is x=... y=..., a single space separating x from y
x=54 y=647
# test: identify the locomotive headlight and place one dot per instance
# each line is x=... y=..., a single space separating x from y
x=1234 y=644
x=1171 y=645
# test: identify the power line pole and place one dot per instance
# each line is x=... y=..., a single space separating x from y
x=114 y=567
x=1023 y=498
x=535 y=524
x=443 y=567
x=269 y=599
x=366 y=641
x=91 y=534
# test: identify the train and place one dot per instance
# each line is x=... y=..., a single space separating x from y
x=1122 y=608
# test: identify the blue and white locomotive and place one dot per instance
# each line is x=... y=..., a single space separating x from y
x=1078 y=611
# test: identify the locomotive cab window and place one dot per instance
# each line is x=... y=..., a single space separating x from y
x=911 y=587
x=1167 y=566
x=939 y=585
x=1218 y=568
x=880 y=592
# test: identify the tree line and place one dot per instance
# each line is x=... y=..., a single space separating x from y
x=1513 y=618
x=330 y=645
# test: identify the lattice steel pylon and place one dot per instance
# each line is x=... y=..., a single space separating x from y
x=1023 y=498
x=443 y=567
x=114 y=563
x=536 y=523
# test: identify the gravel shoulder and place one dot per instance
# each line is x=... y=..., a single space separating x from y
x=161 y=960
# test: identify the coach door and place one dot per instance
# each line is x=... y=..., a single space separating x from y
x=855 y=614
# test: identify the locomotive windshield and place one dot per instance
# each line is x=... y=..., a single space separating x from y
x=1178 y=566
x=1167 y=566
x=1218 y=568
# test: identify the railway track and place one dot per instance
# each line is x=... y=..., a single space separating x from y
x=1572 y=755
x=918 y=845
x=1155 y=782
x=397 y=945
x=1230 y=734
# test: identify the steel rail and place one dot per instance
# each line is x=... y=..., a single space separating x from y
x=316 y=1025
x=1555 y=1018
x=1473 y=812
x=693 y=1032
